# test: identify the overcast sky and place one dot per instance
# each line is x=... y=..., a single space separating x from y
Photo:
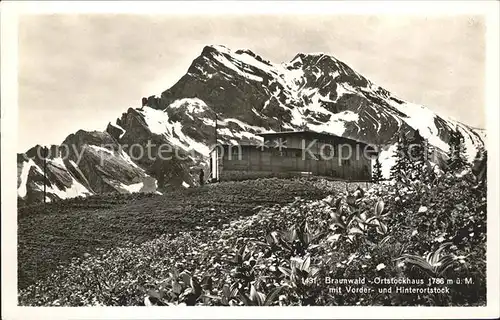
x=81 y=71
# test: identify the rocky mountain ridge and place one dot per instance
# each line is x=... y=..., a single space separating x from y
x=248 y=95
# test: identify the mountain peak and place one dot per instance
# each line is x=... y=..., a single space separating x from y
x=215 y=48
x=237 y=54
x=302 y=55
x=249 y=95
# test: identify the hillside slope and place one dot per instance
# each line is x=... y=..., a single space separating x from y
x=52 y=235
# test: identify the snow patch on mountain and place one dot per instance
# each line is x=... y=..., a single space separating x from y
x=316 y=106
x=74 y=190
x=297 y=117
x=247 y=132
x=57 y=162
x=252 y=61
x=156 y=120
x=224 y=60
x=100 y=150
x=73 y=163
x=187 y=143
x=131 y=188
x=343 y=88
x=422 y=119
x=241 y=124
x=481 y=133
x=236 y=136
x=292 y=79
x=297 y=59
x=158 y=123
x=119 y=128
x=336 y=124
x=470 y=143
x=193 y=105
x=22 y=189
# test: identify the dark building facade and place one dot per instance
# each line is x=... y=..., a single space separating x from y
x=284 y=154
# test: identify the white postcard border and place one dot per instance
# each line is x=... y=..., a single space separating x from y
x=11 y=10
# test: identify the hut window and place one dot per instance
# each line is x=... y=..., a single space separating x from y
x=236 y=153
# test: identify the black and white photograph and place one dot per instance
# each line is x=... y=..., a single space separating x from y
x=244 y=158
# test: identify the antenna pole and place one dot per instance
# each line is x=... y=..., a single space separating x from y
x=216 y=151
x=215 y=129
x=45 y=175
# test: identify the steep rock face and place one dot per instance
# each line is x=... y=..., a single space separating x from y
x=246 y=95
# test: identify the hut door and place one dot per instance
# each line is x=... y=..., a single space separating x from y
x=214 y=165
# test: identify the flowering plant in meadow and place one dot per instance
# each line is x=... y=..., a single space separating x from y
x=280 y=254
